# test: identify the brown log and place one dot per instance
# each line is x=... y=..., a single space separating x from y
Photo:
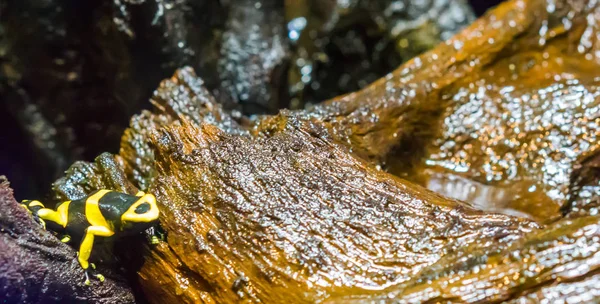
x=282 y=216
x=507 y=107
x=558 y=263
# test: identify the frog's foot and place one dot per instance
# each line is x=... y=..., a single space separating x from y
x=87 y=279
x=40 y=221
x=154 y=236
x=65 y=239
x=98 y=276
x=10 y=232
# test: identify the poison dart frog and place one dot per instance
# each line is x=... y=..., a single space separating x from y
x=103 y=213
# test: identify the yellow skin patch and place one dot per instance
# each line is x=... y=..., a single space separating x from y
x=35 y=203
x=99 y=227
x=151 y=215
x=92 y=210
x=60 y=216
x=24 y=206
x=85 y=249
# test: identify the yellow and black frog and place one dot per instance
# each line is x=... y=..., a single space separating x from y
x=103 y=213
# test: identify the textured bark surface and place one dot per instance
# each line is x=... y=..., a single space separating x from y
x=35 y=267
x=297 y=218
x=286 y=215
x=498 y=116
x=558 y=263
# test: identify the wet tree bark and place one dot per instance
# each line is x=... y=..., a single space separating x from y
x=295 y=207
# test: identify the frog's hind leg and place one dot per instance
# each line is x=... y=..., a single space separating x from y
x=59 y=216
x=85 y=249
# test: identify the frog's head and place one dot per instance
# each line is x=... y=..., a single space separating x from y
x=142 y=211
x=32 y=205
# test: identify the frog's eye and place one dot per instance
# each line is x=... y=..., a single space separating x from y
x=144 y=210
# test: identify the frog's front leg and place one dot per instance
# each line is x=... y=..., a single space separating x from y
x=85 y=249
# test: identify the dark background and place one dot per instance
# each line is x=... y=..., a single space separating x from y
x=17 y=161
x=480 y=6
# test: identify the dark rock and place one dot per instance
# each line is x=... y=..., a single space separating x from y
x=73 y=73
x=254 y=56
x=347 y=45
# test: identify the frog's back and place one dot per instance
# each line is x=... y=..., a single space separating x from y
x=112 y=206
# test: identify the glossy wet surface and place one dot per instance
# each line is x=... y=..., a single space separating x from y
x=524 y=122
x=304 y=206
x=510 y=104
